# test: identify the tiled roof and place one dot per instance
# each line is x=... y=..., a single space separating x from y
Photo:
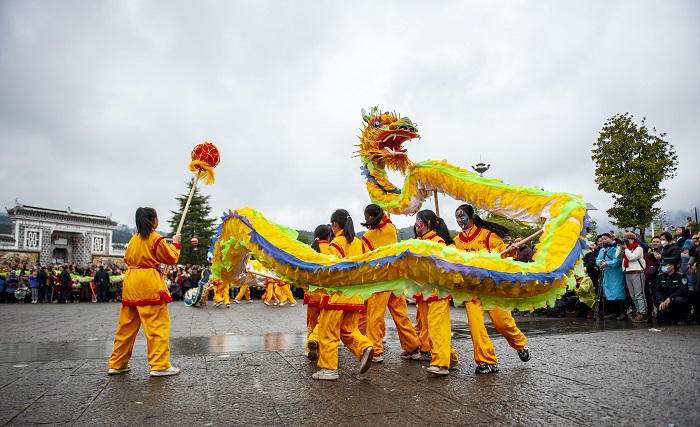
x=64 y=216
x=6 y=238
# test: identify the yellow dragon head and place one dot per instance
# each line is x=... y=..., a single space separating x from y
x=381 y=143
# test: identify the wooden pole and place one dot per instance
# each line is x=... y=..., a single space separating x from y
x=437 y=207
x=187 y=205
x=269 y=276
x=522 y=242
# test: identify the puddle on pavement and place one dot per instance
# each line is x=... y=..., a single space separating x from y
x=227 y=344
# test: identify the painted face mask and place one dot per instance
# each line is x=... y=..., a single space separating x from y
x=462 y=218
x=419 y=226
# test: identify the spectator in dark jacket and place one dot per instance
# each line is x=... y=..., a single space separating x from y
x=65 y=282
x=589 y=263
x=669 y=249
x=101 y=280
x=44 y=287
x=672 y=293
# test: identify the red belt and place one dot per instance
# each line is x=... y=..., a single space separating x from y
x=326 y=304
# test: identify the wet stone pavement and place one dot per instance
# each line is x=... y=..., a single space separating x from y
x=246 y=366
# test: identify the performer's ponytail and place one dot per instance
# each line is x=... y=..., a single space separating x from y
x=500 y=230
x=435 y=223
x=376 y=213
x=322 y=232
x=145 y=221
x=342 y=218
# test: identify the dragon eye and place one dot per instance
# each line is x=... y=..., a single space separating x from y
x=377 y=123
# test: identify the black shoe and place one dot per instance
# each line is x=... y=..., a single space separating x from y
x=524 y=354
x=485 y=368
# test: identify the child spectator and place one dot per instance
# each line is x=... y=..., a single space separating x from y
x=75 y=287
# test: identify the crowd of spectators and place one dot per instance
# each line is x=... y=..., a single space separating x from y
x=60 y=283
x=637 y=280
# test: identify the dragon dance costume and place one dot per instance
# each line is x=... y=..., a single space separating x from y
x=144 y=299
x=476 y=239
x=313 y=304
x=270 y=294
x=434 y=315
x=339 y=314
x=283 y=293
x=221 y=292
x=386 y=234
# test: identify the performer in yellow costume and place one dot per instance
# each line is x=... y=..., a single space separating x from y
x=339 y=314
x=322 y=237
x=382 y=232
x=221 y=293
x=269 y=294
x=284 y=294
x=144 y=298
x=478 y=234
x=435 y=312
x=246 y=278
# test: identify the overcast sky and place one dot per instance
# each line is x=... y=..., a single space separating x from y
x=101 y=102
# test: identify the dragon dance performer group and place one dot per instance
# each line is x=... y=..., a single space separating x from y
x=336 y=317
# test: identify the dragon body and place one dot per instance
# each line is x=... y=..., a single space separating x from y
x=414 y=264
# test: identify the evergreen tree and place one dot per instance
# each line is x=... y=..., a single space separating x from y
x=631 y=162
x=197 y=224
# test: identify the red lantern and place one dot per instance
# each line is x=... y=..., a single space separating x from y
x=194 y=242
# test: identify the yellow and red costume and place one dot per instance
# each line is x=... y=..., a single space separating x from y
x=144 y=299
x=476 y=239
x=434 y=315
x=269 y=294
x=313 y=302
x=283 y=293
x=386 y=234
x=339 y=314
x=221 y=292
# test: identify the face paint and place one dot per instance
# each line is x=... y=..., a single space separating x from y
x=419 y=226
x=462 y=218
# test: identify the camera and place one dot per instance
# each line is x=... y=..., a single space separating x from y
x=615 y=242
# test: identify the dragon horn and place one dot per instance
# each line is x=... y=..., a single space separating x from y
x=365 y=117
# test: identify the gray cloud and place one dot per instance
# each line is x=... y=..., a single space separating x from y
x=101 y=102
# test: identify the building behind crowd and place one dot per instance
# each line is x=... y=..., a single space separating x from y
x=43 y=236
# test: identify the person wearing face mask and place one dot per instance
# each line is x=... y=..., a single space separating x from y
x=669 y=249
x=612 y=279
x=672 y=292
x=476 y=235
x=633 y=264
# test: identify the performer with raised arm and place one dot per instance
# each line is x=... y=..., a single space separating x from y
x=144 y=298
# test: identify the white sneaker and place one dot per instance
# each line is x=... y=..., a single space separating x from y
x=266 y=303
x=378 y=358
x=249 y=301
x=216 y=304
x=283 y=303
x=366 y=360
x=166 y=372
x=437 y=371
x=111 y=371
x=236 y=301
x=292 y=304
x=325 y=374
